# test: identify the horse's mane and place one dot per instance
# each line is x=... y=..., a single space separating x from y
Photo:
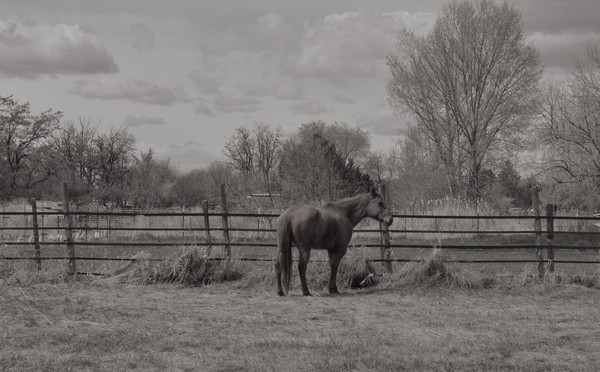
x=354 y=205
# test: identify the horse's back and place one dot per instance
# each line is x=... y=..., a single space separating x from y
x=316 y=227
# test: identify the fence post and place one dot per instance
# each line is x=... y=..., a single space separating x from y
x=41 y=235
x=36 y=233
x=386 y=253
x=183 y=223
x=98 y=234
x=72 y=268
x=537 y=225
x=550 y=236
x=26 y=219
x=3 y=218
x=207 y=226
x=225 y=220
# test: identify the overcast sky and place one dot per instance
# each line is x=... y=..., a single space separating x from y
x=181 y=75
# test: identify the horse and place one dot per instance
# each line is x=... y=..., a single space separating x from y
x=328 y=227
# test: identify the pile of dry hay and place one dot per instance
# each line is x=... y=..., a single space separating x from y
x=433 y=272
x=187 y=267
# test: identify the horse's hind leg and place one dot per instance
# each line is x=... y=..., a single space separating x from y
x=302 y=265
x=334 y=262
x=278 y=276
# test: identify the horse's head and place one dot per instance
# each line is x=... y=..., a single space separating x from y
x=377 y=208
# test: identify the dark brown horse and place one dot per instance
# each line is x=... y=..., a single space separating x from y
x=328 y=227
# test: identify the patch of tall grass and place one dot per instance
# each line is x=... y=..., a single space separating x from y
x=22 y=273
x=432 y=271
x=189 y=267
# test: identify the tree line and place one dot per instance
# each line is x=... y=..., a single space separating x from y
x=483 y=127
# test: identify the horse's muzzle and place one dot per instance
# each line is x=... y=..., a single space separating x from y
x=388 y=220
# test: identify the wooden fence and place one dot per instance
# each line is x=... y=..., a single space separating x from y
x=68 y=235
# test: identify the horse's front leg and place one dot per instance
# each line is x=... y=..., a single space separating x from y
x=335 y=257
x=302 y=265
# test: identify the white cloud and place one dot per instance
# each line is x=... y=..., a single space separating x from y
x=312 y=107
x=30 y=50
x=208 y=83
x=256 y=90
x=135 y=90
x=342 y=98
x=203 y=108
x=230 y=104
x=142 y=37
x=270 y=23
x=190 y=155
x=559 y=49
x=353 y=44
x=383 y=123
x=293 y=90
x=143 y=121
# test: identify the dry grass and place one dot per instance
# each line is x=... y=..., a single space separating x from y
x=224 y=327
x=23 y=273
x=428 y=316
x=433 y=272
x=189 y=267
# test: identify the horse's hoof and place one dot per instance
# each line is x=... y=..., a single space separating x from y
x=281 y=293
x=307 y=294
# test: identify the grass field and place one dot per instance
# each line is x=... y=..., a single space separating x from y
x=507 y=320
x=243 y=326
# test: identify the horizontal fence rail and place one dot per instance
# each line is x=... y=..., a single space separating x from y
x=88 y=230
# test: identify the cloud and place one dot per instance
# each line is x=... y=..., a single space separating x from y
x=353 y=44
x=312 y=107
x=203 y=108
x=190 y=155
x=207 y=83
x=230 y=104
x=143 y=121
x=134 y=90
x=29 y=50
x=256 y=90
x=342 y=98
x=383 y=123
x=559 y=49
x=142 y=37
x=560 y=16
x=270 y=23
x=294 y=90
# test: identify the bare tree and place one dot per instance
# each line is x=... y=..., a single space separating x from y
x=570 y=126
x=470 y=85
x=150 y=180
x=350 y=143
x=114 y=157
x=26 y=160
x=191 y=188
x=240 y=149
x=268 y=149
x=74 y=146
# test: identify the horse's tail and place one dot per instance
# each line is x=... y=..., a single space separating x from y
x=284 y=242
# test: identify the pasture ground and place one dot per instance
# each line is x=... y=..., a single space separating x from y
x=234 y=327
